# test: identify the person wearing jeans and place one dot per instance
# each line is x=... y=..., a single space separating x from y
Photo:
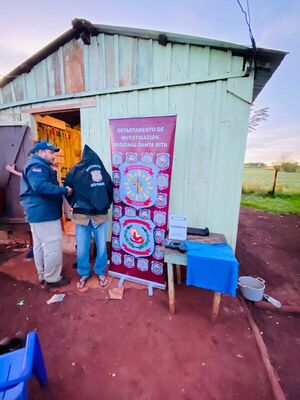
x=91 y=198
x=83 y=239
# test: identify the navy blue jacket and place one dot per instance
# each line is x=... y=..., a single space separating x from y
x=92 y=185
x=41 y=195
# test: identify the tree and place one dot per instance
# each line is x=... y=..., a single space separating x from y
x=286 y=164
x=256 y=117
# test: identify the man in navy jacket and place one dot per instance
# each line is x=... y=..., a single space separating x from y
x=41 y=199
x=92 y=196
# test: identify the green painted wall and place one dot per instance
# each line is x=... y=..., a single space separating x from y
x=138 y=77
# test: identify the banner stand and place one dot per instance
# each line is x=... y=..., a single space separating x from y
x=142 y=157
x=124 y=277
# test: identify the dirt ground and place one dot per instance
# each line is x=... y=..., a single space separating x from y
x=96 y=348
x=269 y=246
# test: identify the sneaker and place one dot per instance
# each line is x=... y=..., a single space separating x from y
x=62 y=282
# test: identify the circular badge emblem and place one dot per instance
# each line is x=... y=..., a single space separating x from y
x=117 y=158
x=117 y=212
x=157 y=268
x=116 y=258
x=161 y=201
x=163 y=160
x=143 y=264
x=116 y=228
x=159 y=235
x=128 y=261
x=115 y=243
x=116 y=177
x=160 y=218
x=162 y=181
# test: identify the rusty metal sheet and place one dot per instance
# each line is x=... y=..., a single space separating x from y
x=55 y=71
x=73 y=67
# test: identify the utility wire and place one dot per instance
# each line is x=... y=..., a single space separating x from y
x=248 y=22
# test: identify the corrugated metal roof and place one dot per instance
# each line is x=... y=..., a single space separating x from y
x=267 y=60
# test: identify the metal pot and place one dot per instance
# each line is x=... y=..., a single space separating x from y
x=252 y=288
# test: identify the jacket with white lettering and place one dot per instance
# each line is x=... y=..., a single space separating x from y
x=41 y=195
x=92 y=185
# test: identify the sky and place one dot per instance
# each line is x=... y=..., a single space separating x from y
x=29 y=26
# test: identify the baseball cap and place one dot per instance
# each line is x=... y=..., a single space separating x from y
x=43 y=145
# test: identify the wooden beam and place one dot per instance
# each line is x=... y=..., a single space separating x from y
x=171 y=288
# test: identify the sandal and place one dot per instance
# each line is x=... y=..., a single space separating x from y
x=103 y=280
x=81 y=283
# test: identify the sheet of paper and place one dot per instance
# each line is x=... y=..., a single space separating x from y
x=177 y=227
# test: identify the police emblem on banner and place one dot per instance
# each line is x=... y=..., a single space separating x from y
x=159 y=235
x=160 y=218
x=117 y=212
x=116 y=258
x=128 y=261
x=162 y=181
x=115 y=243
x=157 y=268
x=161 y=201
x=116 y=227
x=136 y=236
x=143 y=264
x=116 y=177
x=116 y=195
x=117 y=159
x=131 y=157
x=163 y=160
x=158 y=253
x=138 y=185
x=130 y=212
x=147 y=158
x=145 y=214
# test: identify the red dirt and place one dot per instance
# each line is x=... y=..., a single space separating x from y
x=97 y=348
x=269 y=246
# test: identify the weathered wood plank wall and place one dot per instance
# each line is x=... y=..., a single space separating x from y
x=203 y=86
x=113 y=61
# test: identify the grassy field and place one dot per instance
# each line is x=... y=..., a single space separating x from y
x=258 y=182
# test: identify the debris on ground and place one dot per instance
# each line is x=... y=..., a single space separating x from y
x=56 y=298
x=116 y=293
x=21 y=302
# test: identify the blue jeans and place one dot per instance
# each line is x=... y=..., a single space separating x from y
x=83 y=238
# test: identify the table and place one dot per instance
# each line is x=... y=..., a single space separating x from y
x=174 y=257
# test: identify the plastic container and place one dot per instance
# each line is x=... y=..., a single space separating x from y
x=252 y=288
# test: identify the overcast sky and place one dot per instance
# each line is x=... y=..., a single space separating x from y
x=28 y=26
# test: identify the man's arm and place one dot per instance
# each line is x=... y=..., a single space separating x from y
x=12 y=169
x=38 y=178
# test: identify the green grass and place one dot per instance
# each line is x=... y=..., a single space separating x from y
x=261 y=180
x=258 y=182
x=282 y=203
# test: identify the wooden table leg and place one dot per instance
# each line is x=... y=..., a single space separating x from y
x=216 y=306
x=178 y=274
x=171 y=288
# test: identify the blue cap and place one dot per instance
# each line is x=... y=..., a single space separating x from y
x=44 y=145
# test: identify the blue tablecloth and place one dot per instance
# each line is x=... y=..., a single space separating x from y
x=212 y=266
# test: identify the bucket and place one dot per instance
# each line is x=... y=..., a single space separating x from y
x=252 y=288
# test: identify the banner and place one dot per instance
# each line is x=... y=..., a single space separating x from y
x=142 y=155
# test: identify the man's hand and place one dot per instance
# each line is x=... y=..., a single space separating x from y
x=70 y=190
x=12 y=169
